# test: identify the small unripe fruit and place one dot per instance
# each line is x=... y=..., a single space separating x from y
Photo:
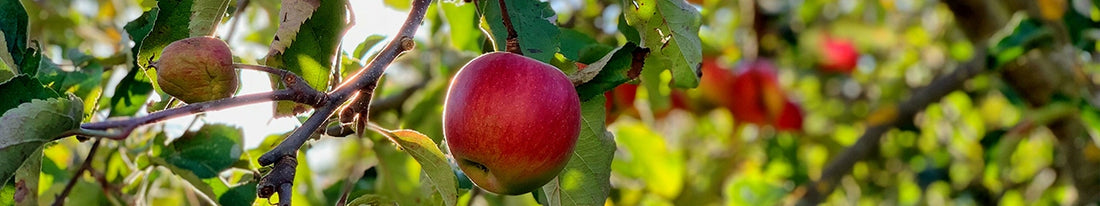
x=197 y=69
x=511 y=122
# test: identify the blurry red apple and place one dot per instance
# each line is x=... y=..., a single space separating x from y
x=756 y=96
x=621 y=101
x=717 y=83
x=511 y=122
x=790 y=119
x=838 y=55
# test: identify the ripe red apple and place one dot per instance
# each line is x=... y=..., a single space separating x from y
x=511 y=122
x=838 y=55
x=197 y=69
x=621 y=101
x=756 y=96
x=717 y=83
x=790 y=119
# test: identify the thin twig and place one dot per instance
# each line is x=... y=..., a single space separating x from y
x=512 y=41
x=297 y=90
x=60 y=200
x=364 y=80
x=241 y=4
x=869 y=142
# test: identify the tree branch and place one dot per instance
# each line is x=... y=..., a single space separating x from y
x=364 y=80
x=868 y=144
x=297 y=90
x=60 y=200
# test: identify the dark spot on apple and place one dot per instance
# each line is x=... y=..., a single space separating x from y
x=479 y=166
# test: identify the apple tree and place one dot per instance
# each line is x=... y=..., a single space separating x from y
x=529 y=102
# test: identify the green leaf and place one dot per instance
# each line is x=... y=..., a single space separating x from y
x=27 y=127
x=170 y=22
x=646 y=156
x=670 y=29
x=206 y=152
x=205 y=16
x=13 y=25
x=22 y=89
x=365 y=46
x=26 y=180
x=243 y=194
x=1020 y=35
x=586 y=178
x=187 y=175
x=308 y=48
x=431 y=160
x=620 y=66
x=464 y=32
x=134 y=89
x=630 y=33
x=79 y=82
x=533 y=22
x=572 y=41
x=398 y=174
x=372 y=200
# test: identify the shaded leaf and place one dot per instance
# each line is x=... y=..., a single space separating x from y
x=26 y=180
x=572 y=41
x=205 y=16
x=187 y=175
x=27 y=127
x=431 y=160
x=170 y=23
x=13 y=25
x=534 y=24
x=617 y=67
x=243 y=194
x=206 y=152
x=22 y=89
x=79 y=82
x=586 y=178
x=307 y=49
x=371 y=200
x=292 y=15
x=464 y=32
x=134 y=88
x=1019 y=36
x=365 y=46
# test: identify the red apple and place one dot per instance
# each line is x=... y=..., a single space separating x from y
x=621 y=101
x=717 y=83
x=511 y=122
x=756 y=96
x=790 y=119
x=838 y=55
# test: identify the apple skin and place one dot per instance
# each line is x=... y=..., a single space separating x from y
x=756 y=96
x=838 y=55
x=790 y=119
x=717 y=83
x=511 y=122
x=197 y=69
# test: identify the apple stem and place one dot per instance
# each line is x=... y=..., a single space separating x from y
x=512 y=41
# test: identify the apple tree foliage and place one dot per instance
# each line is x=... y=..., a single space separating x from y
x=1022 y=128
